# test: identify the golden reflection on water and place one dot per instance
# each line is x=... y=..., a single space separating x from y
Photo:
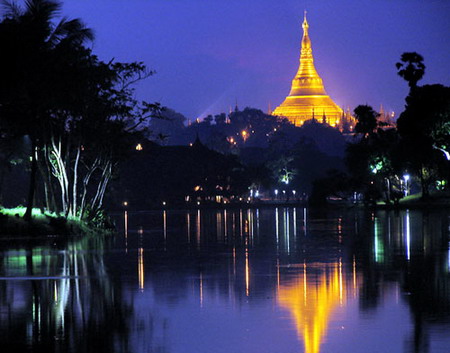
x=141 y=276
x=311 y=297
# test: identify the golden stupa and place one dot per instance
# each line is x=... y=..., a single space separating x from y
x=307 y=98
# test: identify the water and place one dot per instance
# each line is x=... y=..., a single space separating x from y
x=268 y=280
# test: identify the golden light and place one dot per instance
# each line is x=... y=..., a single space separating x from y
x=312 y=299
x=139 y=147
x=307 y=94
x=244 y=135
x=141 y=275
x=197 y=188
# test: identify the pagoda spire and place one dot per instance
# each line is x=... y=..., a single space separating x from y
x=305 y=24
x=307 y=81
x=307 y=89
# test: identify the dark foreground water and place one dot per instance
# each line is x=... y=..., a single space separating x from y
x=269 y=280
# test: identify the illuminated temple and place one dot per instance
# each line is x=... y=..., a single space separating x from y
x=307 y=98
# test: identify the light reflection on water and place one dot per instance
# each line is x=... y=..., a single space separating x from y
x=261 y=280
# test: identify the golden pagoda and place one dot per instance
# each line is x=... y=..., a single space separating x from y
x=307 y=98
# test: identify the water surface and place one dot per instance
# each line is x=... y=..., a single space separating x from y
x=262 y=280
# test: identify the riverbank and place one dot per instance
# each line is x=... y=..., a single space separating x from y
x=415 y=201
x=12 y=223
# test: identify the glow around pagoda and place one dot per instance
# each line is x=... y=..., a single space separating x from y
x=307 y=98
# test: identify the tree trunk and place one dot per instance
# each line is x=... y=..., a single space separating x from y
x=32 y=183
x=86 y=180
x=75 y=182
x=53 y=205
x=424 y=184
x=60 y=172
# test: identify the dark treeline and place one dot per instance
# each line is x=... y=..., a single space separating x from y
x=386 y=161
x=245 y=153
x=65 y=115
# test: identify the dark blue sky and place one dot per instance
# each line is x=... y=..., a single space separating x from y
x=210 y=53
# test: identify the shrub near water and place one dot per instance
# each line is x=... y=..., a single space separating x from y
x=43 y=223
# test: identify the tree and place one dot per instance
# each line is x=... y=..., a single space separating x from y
x=367 y=120
x=78 y=131
x=373 y=161
x=424 y=127
x=411 y=68
x=29 y=41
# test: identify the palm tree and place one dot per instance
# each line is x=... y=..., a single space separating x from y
x=411 y=68
x=31 y=41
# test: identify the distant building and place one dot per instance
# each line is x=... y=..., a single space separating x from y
x=387 y=119
x=307 y=99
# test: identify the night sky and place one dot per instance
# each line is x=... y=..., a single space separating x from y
x=208 y=54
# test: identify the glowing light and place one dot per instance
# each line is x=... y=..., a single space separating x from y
x=126 y=230
x=139 y=147
x=307 y=93
x=198 y=228
x=201 y=290
x=244 y=135
x=247 y=274
x=141 y=277
x=408 y=235
x=311 y=301
x=165 y=225
x=125 y=203
x=277 y=235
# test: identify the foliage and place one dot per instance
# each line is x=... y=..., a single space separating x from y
x=367 y=120
x=78 y=131
x=424 y=127
x=411 y=68
x=374 y=161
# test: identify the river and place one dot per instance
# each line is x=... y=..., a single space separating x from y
x=258 y=280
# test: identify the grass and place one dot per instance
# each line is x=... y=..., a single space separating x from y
x=436 y=199
x=12 y=223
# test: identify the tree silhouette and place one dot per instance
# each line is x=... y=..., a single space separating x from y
x=367 y=119
x=30 y=40
x=424 y=128
x=411 y=68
